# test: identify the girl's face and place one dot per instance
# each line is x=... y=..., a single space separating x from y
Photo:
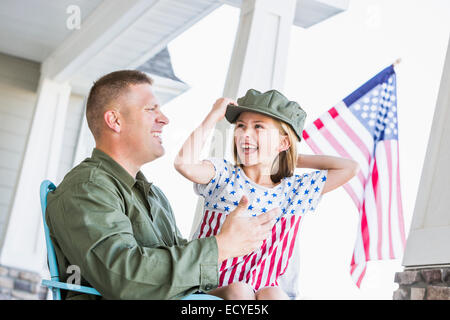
x=257 y=139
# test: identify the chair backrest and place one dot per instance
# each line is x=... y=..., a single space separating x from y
x=46 y=187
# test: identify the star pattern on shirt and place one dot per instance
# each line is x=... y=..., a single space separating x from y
x=293 y=195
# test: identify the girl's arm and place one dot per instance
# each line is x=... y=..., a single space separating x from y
x=340 y=170
x=188 y=161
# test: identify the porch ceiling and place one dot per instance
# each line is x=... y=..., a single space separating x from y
x=33 y=29
x=114 y=34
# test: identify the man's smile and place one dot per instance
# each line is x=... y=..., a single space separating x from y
x=157 y=135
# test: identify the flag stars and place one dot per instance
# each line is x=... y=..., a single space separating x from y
x=263 y=210
x=250 y=207
x=306 y=191
x=236 y=203
x=252 y=190
x=227 y=209
x=223 y=199
x=324 y=178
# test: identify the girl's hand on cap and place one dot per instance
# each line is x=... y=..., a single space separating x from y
x=220 y=107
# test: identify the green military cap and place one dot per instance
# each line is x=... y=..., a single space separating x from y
x=271 y=103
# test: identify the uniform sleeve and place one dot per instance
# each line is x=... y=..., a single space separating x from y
x=223 y=170
x=92 y=230
x=310 y=186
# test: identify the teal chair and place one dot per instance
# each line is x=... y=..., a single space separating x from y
x=54 y=284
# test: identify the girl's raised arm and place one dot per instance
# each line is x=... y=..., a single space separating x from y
x=340 y=170
x=188 y=161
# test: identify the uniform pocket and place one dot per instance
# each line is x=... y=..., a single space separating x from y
x=145 y=234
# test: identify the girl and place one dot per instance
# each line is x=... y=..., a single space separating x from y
x=268 y=128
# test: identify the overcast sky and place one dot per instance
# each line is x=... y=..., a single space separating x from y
x=326 y=62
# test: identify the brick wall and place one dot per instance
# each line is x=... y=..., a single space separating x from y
x=20 y=285
x=423 y=284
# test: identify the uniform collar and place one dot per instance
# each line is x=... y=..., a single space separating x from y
x=119 y=172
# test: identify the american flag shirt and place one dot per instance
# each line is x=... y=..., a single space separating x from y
x=295 y=196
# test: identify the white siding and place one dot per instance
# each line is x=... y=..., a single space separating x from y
x=18 y=82
x=18 y=85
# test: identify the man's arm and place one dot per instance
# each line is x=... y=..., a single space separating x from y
x=93 y=232
x=340 y=170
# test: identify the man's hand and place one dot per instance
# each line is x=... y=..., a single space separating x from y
x=241 y=235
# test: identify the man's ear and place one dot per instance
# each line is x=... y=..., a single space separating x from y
x=112 y=120
x=284 y=143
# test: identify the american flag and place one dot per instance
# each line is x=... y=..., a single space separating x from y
x=364 y=127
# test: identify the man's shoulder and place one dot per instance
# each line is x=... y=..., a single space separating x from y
x=88 y=175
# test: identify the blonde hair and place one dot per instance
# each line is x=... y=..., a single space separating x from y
x=285 y=162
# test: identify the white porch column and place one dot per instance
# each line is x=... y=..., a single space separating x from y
x=261 y=46
x=429 y=237
x=258 y=61
x=24 y=244
x=426 y=259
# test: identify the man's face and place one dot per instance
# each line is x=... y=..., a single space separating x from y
x=143 y=122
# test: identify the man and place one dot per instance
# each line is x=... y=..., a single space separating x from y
x=118 y=228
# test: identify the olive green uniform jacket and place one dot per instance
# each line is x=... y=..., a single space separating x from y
x=121 y=234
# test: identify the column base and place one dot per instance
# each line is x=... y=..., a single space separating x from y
x=18 y=284
x=431 y=283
